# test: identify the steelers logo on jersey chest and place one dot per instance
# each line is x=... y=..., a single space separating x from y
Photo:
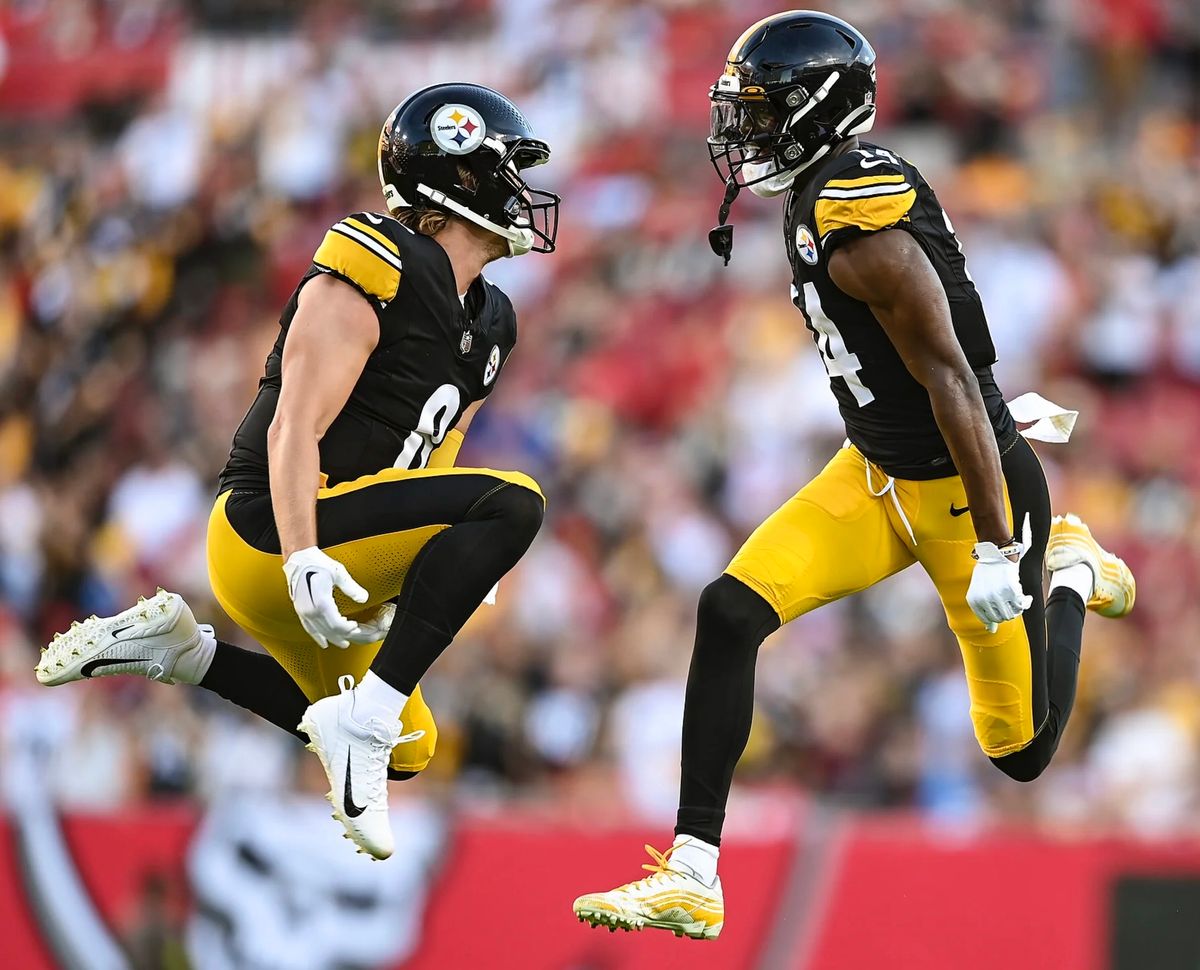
x=493 y=365
x=806 y=245
x=457 y=129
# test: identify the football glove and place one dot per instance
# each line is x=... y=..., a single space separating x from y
x=995 y=594
x=312 y=577
x=374 y=628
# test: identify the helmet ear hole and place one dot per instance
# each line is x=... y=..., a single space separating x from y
x=467 y=180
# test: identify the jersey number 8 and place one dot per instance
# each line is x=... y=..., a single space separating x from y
x=437 y=417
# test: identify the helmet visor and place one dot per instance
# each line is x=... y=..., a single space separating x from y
x=733 y=120
x=743 y=132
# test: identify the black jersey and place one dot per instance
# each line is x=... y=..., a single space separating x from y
x=887 y=413
x=436 y=355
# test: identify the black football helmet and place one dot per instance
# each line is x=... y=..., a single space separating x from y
x=437 y=129
x=795 y=84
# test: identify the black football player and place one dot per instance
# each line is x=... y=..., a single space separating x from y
x=934 y=471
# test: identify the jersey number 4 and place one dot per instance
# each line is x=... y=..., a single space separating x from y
x=437 y=418
x=838 y=360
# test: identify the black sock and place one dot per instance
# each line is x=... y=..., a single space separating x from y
x=1065 y=612
x=257 y=683
x=449 y=578
x=732 y=621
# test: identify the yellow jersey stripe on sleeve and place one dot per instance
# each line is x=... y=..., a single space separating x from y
x=373 y=233
x=358 y=257
x=870 y=213
x=863 y=181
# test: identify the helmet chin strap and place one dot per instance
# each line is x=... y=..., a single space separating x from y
x=720 y=237
x=520 y=239
x=860 y=120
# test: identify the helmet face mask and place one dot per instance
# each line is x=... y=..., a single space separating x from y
x=443 y=127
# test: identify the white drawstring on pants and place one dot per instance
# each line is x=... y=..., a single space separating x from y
x=1051 y=422
x=889 y=488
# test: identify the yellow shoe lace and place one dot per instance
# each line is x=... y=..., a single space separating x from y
x=659 y=868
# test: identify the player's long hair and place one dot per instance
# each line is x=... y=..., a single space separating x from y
x=429 y=222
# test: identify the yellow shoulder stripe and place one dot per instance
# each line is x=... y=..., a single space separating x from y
x=870 y=213
x=359 y=258
x=863 y=181
x=373 y=232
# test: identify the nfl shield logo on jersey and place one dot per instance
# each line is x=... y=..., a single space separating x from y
x=493 y=365
x=464 y=345
x=806 y=245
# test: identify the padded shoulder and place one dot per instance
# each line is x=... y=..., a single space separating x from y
x=867 y=191
x=364 y=249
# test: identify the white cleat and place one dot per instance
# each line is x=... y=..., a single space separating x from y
x=157 y=638
x=355 y=758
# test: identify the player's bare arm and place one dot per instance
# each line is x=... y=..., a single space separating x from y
x=332 y=335
x=891 y=274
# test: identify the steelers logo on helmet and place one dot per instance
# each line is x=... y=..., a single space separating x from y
x=806 y=245
x=457 y=129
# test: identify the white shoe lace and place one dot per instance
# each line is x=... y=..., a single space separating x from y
x=381 y=738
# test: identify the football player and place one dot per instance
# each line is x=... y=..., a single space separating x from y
x=933 y=472
x=343 y=539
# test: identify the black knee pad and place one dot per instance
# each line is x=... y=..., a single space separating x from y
x=1027 y=764
x=521 y=509
x=731 y=611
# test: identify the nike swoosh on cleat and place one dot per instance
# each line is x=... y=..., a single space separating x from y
x=352 y=810
x=957 y=512
x=87 y=668
x=122 y=630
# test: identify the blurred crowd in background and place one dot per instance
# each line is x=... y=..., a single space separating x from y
x=154 y=219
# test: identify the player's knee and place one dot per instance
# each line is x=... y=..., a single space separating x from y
x=1027 y=764
x=732 y=612
x=521 y=510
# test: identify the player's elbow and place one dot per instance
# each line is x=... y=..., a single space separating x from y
x=948 y=379
x=285 y=427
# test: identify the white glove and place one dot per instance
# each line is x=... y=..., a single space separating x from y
x=995 y=594
x=374 y=628
x=311 y=578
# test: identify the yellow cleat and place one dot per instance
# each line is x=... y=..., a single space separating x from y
x=1113 y=586
x=668 y=899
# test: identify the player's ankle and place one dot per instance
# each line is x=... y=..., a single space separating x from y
x=191 y=667
x=375 y=697
x=1078 y=577
x=698 y=856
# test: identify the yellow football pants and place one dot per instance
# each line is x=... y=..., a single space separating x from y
x=375 y=526
x=837 y=536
